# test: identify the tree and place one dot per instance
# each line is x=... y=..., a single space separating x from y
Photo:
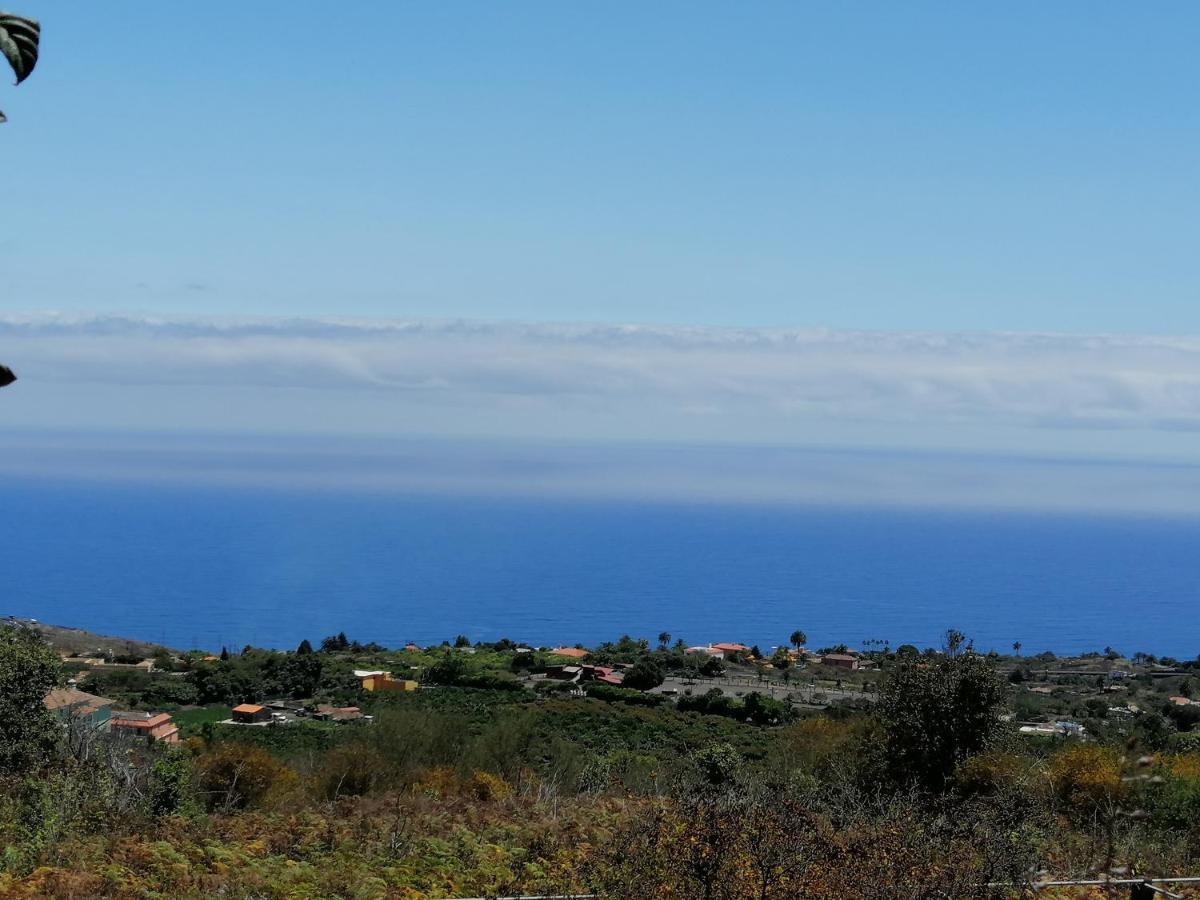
x=938 y=712
x=298 y=675
x=305 y=647
x=224 y=654
x=664 y=639
x=1017 y=647
x=450 y=669
x=28 y=670
x=335 y=642
x=955 y=642
x=643 y=675
x=798 y=639
x=462 y=641
x=780 y=659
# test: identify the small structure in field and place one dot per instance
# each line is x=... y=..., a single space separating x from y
x=251 y=714
x=840 y=661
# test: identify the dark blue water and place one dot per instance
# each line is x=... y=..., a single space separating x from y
x=206 y=567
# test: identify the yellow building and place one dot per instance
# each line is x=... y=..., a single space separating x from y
x=383 y=681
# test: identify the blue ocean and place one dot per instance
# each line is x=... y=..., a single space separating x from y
x=212 y=566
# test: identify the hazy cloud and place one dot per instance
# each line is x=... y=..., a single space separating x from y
x=1033 y=380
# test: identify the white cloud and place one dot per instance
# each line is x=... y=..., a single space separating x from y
x=1034 y=380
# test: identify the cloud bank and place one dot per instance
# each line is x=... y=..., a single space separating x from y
x=756 y=380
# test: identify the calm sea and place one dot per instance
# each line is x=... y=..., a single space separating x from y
x=232 y=566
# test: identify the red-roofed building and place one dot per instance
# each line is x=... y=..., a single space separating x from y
x=142 y=724
x=251 y=714
x=731 y=648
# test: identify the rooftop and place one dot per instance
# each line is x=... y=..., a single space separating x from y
x=69 y=698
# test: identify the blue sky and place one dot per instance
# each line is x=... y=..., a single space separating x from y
x=920 y=227
x=938 y=166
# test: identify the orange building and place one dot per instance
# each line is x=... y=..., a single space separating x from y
x=142 y=724
x=383 y=682
x=250 y=714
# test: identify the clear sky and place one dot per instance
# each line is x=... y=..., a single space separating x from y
x=1025 y=165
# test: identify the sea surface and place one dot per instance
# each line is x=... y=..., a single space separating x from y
x=212 y=566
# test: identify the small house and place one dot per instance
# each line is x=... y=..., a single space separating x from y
x=251 y=714
x=840 y=661
x=71 y=705
x=157 y=726
x=564 y=673
x=729 y=649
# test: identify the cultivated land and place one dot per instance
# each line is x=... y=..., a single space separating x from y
x=634 y=768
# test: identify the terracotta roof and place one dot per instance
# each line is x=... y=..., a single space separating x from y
x=69 y=698
x=139 y=719
x=247 y=708
x=572 y=652
x=731 y=648
x=845 y=656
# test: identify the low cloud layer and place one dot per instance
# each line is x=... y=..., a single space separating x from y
x=676 y=374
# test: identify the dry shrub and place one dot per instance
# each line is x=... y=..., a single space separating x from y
x=238 y=776
x=486 y=786
x=1085 y=776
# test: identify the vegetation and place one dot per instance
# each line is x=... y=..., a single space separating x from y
x=497 y=779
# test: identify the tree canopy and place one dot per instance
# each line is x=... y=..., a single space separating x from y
x=28 y=670
x=937 y=712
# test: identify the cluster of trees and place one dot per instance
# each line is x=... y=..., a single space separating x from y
x=755 y=708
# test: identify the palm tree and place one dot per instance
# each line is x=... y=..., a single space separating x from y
x=798 y=638
x=664 y=639
x=1017 y=647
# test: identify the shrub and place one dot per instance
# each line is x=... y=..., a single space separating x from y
x=486 y=786
x=989 y=773
x=234 y=775
x=1085 y=775
x=938 y=712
